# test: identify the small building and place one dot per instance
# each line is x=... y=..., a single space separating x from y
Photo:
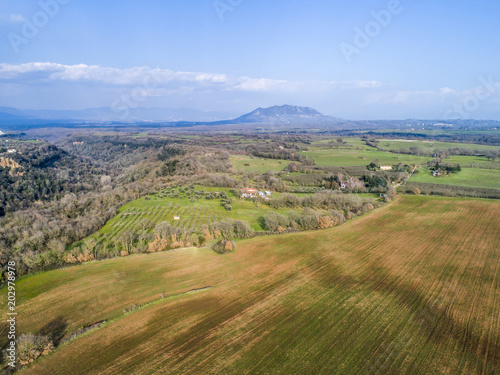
x=12 y=151
x=261 y=194
x=268 y=193
x=248 y=193
x=177 y=217
x=386 y=167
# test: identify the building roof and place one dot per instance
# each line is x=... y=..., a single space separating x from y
x=249 y=190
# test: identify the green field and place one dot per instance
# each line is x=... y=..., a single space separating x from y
x=355 y=142
x=353 y=157
x=244 y=163
x=411 y=288
x=429 y=146
x=194 y=215
x=472 y=177
x=473 y=162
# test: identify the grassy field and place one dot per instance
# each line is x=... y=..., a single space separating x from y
x=352 y=157
x=194 y=215
x=428 y=146
x=356 y=142
x=412 y=288
x=243 y=163
x=473 y=177
x=473 y=161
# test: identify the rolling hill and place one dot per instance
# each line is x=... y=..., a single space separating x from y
x=411 y=288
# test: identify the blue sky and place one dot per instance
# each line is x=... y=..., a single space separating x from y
x=389 y=59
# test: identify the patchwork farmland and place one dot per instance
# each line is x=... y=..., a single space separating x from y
x=411 y=288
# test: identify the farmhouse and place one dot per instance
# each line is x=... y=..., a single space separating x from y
x=248 y=193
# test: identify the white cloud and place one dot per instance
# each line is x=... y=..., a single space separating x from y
x=156 y=77
x=414 y=97
x=447 y=91
x=356 y=84
x=105 y=75
x=11 y=18
x=259 y=84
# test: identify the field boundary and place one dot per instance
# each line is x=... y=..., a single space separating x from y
x=93 y=327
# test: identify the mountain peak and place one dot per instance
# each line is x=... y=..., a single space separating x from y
x=286 y=110
x=282 y=114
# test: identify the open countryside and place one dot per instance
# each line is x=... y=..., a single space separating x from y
x=391 y=291
x=249 y=187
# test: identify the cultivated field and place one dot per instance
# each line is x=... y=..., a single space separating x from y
x=412 y=288
x=473 y=162
x=473 y=177
x=428 y=146
x=352 y=157
x=193 y=214
x=243 y=163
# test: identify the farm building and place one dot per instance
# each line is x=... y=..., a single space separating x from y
x=386 y=167
x=177 y=217
x=436 y=173
x=248 y=193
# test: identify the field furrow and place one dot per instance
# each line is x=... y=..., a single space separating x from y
x=412 y=288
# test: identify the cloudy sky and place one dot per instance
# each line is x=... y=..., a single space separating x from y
x=366 y=59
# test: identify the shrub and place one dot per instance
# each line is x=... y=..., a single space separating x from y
x=272 y=221
x=390 y=195
x=242 y=229
x=327 y=222
x=30 y=347
x=71 y=259
x=308 y=222
x=224 y=246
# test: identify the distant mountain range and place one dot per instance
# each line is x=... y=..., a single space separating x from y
x=276 y=117
x=105 y=114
